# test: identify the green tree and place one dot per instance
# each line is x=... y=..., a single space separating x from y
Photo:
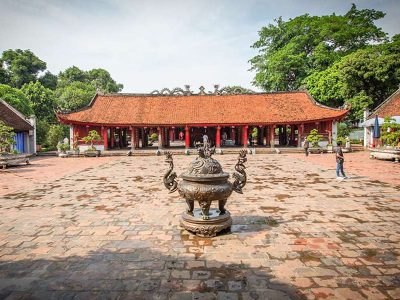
x=363 y=78
x=55 y=135
x=21 y=66
x=42 y=128
x=42 y=99
x=75 y=87
x=236 y=89
x=49 y=80
x=16 y=99
x=75 y=95
x=71 y=75
x=6 y=137
x=289 y=51
x=100 y=79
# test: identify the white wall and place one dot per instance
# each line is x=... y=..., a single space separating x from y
x=334 y=133
x=85 y=147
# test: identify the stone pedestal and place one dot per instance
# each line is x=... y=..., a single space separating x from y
x=206 y=228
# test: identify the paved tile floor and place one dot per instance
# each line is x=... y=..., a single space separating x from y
x=111 y=231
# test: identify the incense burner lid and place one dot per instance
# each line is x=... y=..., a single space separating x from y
x=205 y=169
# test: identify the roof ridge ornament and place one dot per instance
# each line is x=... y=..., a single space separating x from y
x=227 y=90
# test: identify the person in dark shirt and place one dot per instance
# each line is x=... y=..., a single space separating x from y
x=339 y=162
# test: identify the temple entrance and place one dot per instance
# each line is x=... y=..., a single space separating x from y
x=197 y=133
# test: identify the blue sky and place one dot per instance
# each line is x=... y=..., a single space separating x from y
x=148 y=45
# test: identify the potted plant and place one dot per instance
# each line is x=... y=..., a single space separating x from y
x=62 y=149
x=391 y=139
x=7 y=155
x=314 y=138
x=90 y=138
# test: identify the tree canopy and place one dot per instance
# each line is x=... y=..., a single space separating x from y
x=30 y=88
x=364 y=78
x=20 y=67
x=16 y=99
x=289 y=51
x=75 y=95
x=75 y=87
x=42 y=100
x=338 y=58
x=100 y=79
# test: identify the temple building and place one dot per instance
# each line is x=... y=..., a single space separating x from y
x=228 y=119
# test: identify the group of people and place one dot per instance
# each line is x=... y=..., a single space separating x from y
x=339 y=158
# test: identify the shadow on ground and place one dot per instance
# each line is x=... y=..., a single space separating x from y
x=140 y=273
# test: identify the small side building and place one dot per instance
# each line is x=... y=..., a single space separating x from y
x=388 y=108
x=24 y=127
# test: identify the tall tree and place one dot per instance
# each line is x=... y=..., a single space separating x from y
x=363 y=78
x=75 y=87
x=42 y=99
x=16 y=99
x=75 y=95
x=289 y=51
x=20 y=67
x=100 y=79
x=49 y=80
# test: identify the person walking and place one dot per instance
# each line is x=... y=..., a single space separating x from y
x=339 y=162
x=306 y=145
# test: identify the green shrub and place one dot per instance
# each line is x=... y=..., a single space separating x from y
x=390 y=132
x=54 y=136
x=62 y=147
x=154 y=137
x=6 y=137
x=92 y=136
x=314 y=138
x=341 y=139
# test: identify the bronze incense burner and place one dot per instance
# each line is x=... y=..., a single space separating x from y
x=206 y=182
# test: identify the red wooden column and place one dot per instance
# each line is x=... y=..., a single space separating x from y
x=132 y=138
x=218 y=137
x=292 y=129
x=112 y=137
x=300 y=133
x=105 y=137
x=136 y=138
x=187 y=137
x=172 y=134
x=244 y=135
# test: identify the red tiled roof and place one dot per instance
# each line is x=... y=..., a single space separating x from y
x=390 y=107
x=262 y=108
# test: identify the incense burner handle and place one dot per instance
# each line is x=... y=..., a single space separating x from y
x=169 y=177
x=240 y=174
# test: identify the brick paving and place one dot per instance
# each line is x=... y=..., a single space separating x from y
x=111 y=231
x=43 y=169
x=359 y=164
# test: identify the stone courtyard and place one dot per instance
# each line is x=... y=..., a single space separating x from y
x=107 y=228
